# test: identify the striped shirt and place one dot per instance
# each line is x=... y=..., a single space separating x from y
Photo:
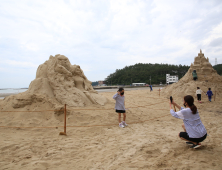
x=192 y=122
x=119 y=102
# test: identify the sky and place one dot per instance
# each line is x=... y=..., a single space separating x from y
x=104 y=35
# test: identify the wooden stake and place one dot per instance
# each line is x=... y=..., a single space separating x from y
x=64 y=133
x=215 y=95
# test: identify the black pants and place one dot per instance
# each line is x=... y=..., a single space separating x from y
x=199 y=97
x=185 y=136
x=195 y=78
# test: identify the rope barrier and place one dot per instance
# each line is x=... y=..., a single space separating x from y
x=65 y=109
x=78 y=109
x=35 y=111
x=113 y=108
x=29 y=127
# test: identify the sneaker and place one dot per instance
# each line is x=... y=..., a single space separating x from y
x=189 y=143
x=196 y=146
x=124 y=123
x=121 y=125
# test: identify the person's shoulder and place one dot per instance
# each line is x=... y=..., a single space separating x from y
x=185 y=110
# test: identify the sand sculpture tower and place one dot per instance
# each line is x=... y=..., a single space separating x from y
x=203 y=67
x=207 y=77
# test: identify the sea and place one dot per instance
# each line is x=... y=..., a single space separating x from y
x=9 y=91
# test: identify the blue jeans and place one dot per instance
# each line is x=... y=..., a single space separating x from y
x=209 y=97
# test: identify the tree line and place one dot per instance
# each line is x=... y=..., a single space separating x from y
x=218 y=68
x=141 y=73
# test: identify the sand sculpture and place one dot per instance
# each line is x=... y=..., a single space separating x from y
x=207 y=78
x=58 y=82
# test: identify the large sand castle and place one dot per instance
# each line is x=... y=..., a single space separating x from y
x=207 y=78
x=57 y=83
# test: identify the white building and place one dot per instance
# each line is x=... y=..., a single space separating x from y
x=171 y=79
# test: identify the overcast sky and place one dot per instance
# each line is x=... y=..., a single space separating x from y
x=102 y=36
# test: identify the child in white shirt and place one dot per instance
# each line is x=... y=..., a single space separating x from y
x=198 y=92
x=120 y=106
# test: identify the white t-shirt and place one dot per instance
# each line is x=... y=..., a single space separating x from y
x=120 y=102
x=199 y=91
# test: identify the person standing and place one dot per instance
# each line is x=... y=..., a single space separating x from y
x=194 y=130
x=198 y=92
x=194 y=74
x=209 y=94
x=120 y=106
x=151 y=89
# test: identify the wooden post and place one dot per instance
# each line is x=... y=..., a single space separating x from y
x=64 y=133
x=215 y=95
x=65 y=119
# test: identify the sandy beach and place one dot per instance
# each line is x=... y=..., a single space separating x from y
x=94 y=140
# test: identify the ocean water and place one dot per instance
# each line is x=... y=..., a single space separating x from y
x=6 y=92
x=17 y=90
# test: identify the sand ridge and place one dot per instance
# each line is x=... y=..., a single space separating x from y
x=153 y=144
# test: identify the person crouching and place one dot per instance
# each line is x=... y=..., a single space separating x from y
x=120 y=106
x=194 y=130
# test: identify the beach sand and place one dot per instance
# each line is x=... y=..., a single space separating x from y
x=149 y=142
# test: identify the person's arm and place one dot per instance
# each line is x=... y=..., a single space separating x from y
x=179 y=107
x=116 y=95
x=178 y=114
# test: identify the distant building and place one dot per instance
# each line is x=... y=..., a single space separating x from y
x=100 y=82
x=95 y=83
x=171 y=79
